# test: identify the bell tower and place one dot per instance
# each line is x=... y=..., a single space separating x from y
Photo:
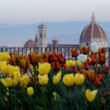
x=42 y=35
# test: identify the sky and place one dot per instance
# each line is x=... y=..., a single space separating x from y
x=34 y=11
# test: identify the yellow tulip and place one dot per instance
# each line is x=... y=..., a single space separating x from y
x=90 y=95
x=24 y=80
x=56 y=78
x=4 y=56
x=15 y=82
x=7 y=82
x=2 y=63
x=79 y=79
x=76 y=63
x=13 y=69
x=43 y=80
x=44 y=68
x=69 y=63
x=69 y=79
x=4 y=70
x=17 y=76
x=55 y=95
x=30 y=91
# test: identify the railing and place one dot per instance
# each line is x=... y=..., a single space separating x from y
x=66 y=51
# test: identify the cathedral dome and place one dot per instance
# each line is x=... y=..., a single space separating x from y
x=29 y=43
x=93 y=33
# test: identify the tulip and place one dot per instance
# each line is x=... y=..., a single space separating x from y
x=30 y=91
x=93 y=59
x=101 y=51
x=33 y=58
x=55 y=95
x=2 y=64
x=15 y=82
x=94 y=47
x=13 y=69
x=56 y=78
x=79 y=79
x=76 y=62
x=69 y=79
x=7 y=82
x=4 y=56
x=74 y=53
x=90 y=95
x=84 y=72
x=99 y=79
x=14 y=59
x=106 y=70
x=4 y=69
x=82 y=58
x=61 y=59
x=43 y=80
x=24 y=80
x=91 y=75
x=68 y=63
x=88 y=60
x=84 y=50
x=101 y=59
x=66 y=67
x=56 y=66
x=17 y=76
x=44 y=68
x=75 y=70
x=86 y=65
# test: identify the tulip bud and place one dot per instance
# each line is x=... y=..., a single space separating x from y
x=74 y=52
x=91 y=75
x=30 y=91
x=75 y=70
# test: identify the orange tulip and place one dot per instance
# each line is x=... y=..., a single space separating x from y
x=85 y=50
x=93 y=58
x=85 y=72
x=74 y=52
x=91 y=75
x=33 y=58
x=107 y=70
x=101 y=59
x=23 y=62
x=101 y=51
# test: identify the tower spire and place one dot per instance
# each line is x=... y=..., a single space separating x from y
x=93 y=18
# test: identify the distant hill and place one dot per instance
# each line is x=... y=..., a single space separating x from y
x=65 y=32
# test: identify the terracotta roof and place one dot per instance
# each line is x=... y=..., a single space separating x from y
x=93 y=30
x=29 y=43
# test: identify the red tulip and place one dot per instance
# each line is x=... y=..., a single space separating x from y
x=85 y=50
x=101 y=51
x=101 y=59
x=66 y=67
x=86 y=65
x=74 y=52
x=75 y=70
x=107 y=70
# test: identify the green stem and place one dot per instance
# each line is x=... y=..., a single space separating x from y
x=43 y=93
x=70 y=99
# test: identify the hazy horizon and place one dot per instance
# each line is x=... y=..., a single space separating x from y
x=34 y=11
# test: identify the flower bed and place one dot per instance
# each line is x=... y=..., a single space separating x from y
x=48 y=81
